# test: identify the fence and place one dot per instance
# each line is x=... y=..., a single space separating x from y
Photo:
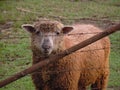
x=7 y=41
x=53 y=72
x=62 y=54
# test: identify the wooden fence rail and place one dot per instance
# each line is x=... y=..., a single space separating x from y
x=59 y=56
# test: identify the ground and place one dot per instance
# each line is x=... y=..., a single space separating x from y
x=15 y=53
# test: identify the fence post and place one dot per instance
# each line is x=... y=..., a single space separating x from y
x=59 y=56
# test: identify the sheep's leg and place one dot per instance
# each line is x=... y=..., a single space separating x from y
x=100 y=84
x=38 y=82
x=82 y=88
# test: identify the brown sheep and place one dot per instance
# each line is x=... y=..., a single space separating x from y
x=88 y=66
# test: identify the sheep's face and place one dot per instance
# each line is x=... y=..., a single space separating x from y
x=47 y=36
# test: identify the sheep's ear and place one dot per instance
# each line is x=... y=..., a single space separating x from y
x=67 y=29
x=30 y=28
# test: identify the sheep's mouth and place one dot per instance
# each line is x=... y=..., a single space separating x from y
x=46 y=52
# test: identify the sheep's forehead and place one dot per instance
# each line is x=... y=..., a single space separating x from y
x=48 y=26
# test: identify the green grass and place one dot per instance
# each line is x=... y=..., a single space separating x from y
x=115 y=60
x=15 y=54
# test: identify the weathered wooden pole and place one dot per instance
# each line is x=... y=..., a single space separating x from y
x=60 y=55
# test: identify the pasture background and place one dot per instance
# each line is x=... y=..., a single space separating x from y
x=15 y=53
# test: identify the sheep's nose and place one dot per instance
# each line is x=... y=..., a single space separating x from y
x=46 y=47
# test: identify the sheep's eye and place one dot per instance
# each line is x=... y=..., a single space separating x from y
x=38 y=32
x=57 y=33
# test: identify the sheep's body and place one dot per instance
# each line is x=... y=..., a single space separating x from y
x=88 y=66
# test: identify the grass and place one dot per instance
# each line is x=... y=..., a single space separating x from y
x=15 y=54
